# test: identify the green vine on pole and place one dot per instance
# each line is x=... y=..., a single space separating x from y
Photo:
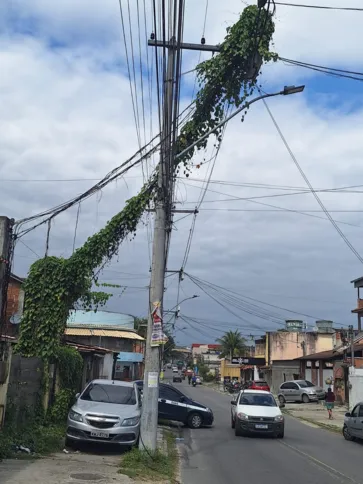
x=55 y=285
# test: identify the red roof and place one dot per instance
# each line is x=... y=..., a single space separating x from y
x=213 y=346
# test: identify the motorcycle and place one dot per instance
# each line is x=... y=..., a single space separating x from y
x=194 y=383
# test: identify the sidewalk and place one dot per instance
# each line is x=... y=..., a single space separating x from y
x=316 y=413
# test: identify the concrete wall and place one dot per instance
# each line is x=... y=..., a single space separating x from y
x=288 y=345
x=355 y=386
x=283 y=371
x=24 y=388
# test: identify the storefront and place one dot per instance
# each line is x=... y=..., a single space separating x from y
x=129 y=366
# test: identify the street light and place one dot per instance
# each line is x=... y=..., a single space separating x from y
x=285 y=92
x=292 y=90
x=177 y=305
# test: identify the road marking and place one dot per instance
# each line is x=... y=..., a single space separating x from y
x=321 y=464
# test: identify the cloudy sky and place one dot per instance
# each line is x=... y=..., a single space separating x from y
x=66 y=120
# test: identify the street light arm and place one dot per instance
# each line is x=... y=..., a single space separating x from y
x=284 y=92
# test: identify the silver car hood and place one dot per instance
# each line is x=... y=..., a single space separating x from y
x=106 y=409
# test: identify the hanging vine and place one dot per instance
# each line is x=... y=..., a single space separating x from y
x=54 y=285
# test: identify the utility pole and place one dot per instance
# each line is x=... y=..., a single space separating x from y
x=162 y=226
x=6 y=225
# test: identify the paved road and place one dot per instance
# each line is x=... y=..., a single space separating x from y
x=306 y=455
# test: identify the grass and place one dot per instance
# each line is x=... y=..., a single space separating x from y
x=40 y=439
x=156 y=466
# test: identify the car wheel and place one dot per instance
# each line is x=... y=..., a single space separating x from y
x=305 y=398
x=195 y=421
x=233 y=423
x=346 y=434
x=282 y=399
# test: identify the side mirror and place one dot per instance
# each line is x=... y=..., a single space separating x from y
x=78 y=395
x=233 y=402
x=347 y=414
x=282 y=405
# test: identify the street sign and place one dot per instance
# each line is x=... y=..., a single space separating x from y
x=247 y=360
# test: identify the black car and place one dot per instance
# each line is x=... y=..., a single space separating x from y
x=174 y=405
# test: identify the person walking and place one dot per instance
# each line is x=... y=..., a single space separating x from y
x=329 y=402
x=189 y=378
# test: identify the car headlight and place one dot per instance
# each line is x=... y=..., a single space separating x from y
x=242 y=416
x=279 y=418
x=130 y=422
x=77 y=417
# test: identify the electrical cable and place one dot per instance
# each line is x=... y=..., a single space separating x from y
x=352 y=9
x=302 y=173
x=324 y=70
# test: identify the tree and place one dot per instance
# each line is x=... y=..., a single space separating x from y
x=233 y=344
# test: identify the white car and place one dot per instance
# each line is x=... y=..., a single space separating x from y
x=256 y=412
x=175 y=369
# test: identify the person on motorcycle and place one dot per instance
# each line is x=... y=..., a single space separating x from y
x=194 y=379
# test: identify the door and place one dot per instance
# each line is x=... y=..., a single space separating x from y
x=290 y=391
x=355 y=423
x=172 y=404
x=295 y=392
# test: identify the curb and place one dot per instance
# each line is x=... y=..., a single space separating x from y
x=330 y=428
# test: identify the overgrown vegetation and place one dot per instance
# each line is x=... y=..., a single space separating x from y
x=158 y=465
x=54 y=285
x=39 y=438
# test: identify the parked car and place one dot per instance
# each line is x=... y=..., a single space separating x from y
x=256 y=412
x=174 y=405
x=177 y=378
x=353 y=423
x=168 y=365
x=300 y=391
x=106 y=411
x=257 y=385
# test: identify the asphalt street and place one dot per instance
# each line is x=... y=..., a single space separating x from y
x=306 y=454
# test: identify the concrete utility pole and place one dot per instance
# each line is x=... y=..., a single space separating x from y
x=162 y=227
x=6 y=225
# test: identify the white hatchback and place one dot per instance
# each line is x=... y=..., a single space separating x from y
x=256 y=412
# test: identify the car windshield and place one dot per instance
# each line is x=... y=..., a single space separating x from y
x=121 y=395
x=257 y=399
x=305 y=384
x=260 y=384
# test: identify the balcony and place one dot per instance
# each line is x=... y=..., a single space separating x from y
x=359 y=307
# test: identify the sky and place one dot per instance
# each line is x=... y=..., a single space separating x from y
x=67 y=120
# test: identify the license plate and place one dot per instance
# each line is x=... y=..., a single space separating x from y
x=260 y=426
x=100 y=435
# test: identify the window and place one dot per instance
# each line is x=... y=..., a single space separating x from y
x=305 y=384
x=260 y=384
x=104 y=393
x=355 y=411
x=360 y=413
x=293 y=386
x=169 y=394
x=258 y=399
x=284 y=386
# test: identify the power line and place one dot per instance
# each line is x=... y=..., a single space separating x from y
x=352 y=9
x=324 y=70
x=342 y=235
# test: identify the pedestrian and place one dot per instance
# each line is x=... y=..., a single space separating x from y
x=329 y=402
x=189 y=378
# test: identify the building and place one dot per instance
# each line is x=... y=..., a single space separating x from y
x=208 y=354
x=114 y=332
x=283 y=348
x=358 y=284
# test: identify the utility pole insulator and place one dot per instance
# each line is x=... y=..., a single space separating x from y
x=152 y=36
x=202 y=40
x=261 y=3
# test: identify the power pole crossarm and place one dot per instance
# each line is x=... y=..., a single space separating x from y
x=186 y=46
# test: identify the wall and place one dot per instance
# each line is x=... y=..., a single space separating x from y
x=105 y=318
x=287 y=345
x=355 y=386
x=283 y=371
x=24 y=389
x=229 y=370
